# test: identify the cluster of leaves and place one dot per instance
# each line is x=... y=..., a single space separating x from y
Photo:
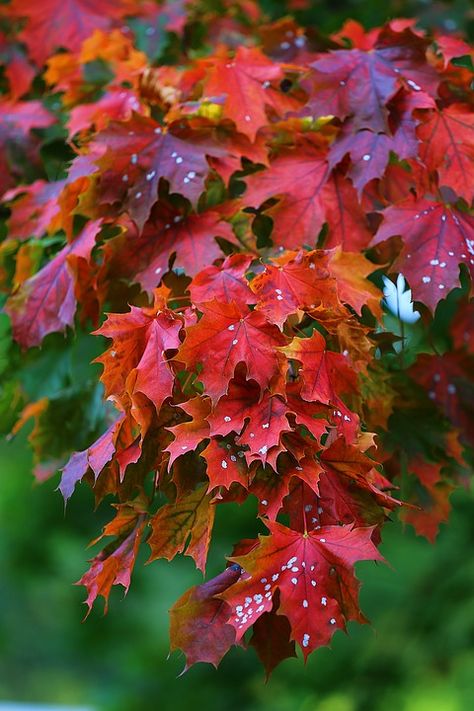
x=232 y=193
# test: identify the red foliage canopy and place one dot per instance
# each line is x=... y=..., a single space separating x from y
x=225 y=222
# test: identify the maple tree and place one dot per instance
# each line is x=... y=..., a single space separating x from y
x=228 y=225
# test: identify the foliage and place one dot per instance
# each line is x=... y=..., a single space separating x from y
x=232 y=193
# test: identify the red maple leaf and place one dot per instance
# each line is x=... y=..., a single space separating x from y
x=33 y=213
x=18 y=70
x=227 y=335
x=136 y=360
x=432 y=498
x=352 y=82
x=326 y=375
x=344 y=214
x=52 y=24
x=22 y=116
x=46 y=302
x=314 y=574
x=272 y=487
x=309 y=195
x=117 y=104
x=311 y=415
x=138 y=153
x=353 y=287
x=298 y=179
x=224 y=283
x=114 y=565
x=187 y=241
x=267 y=422
x=225 y=464
x=271 y=632
x=244 y=80
x=198 y=620
x=94 y=457
x=188 y=435
x=299 y=281
x=16 y=141
x=44 y=207
x=436 y=238
x=231 y=411
x=448 y=147
x=370 y=151
x=346 y=462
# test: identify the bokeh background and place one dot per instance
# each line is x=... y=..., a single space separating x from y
x=418 y=655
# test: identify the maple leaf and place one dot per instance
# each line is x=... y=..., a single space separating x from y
x=46 y=207
x=190 y=237
x=326 y=375
x=370 y=151
x=270 y=488
x=314 y=575
x=169 y=237
x=35 y=211
x=346 y=219
x=227 y=335
x=351 y=272
x=245 y=82
x=452 y=47
x=46 y=302
x=342 y=500
x=188 y=435
x=436 y=238
x=271 y=640
x=138 y=153
x=22 y=116
x=311 y=415
x=267 y=422
x=184 y=524
x=295 y=283
x=298 y=178
x=352 y=82
x=230 y=412
x=273 y=487
x=198 y=621
x=94 y=457
x=17 y=144
x=343 y=462
x=18 y=70
x=114 y=565
x=114 y=105
x=224 y=283
x=54 y=23
x=136 y=360
x=309 y=195
x=448 y=147
x=433 y=498
x=225 y=465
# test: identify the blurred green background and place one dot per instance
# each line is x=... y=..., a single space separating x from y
x=329 y=15
x=417 y=656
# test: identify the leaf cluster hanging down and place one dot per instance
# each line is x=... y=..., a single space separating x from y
x=227 y=226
